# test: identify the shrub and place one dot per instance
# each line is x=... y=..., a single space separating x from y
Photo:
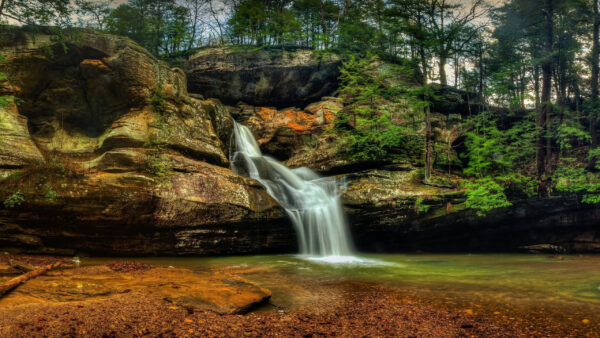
x=14 y=200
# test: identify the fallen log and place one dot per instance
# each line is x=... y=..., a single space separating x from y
x=21 y=266
x=13 y=283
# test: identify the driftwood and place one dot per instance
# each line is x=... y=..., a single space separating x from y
x=13 y=283
x=21 y=266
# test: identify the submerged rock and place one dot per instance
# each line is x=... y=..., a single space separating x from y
x=219 y=292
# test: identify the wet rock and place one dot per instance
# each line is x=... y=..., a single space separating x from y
x=218 y=292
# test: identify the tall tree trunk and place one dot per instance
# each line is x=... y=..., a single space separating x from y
x=544 y=152
x=536 y=86
x=2 y=3
x=442 y=70
x=456 y=69
x=595 y=73
x=324 y=25
x=481 y=71
x=427 y=145
x=423 y=63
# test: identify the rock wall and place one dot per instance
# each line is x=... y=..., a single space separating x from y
x=390 y=211
x=108 y=153
x=265 y=77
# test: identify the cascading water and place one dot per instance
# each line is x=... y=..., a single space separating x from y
x=312 y=202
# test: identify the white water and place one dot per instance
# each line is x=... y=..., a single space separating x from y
x=312 y=202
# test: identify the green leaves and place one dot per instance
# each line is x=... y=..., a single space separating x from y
x=365 y=125
x=484 y=195
x=571 y=177
x=14 y=200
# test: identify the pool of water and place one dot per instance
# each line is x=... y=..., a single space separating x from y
x=566 y=288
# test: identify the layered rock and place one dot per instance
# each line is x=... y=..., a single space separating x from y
x=266 y=77
x=107 y=153
x=390 y=210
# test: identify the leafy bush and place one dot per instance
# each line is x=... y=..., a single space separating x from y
x=14 y=200
x=420 y=207
x=50 y=194
x=484 y=195
x=572 y=178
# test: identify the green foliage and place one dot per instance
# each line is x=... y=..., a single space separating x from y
x=484 y=195
x=365 y=125
x=37 y=12
x=491 y=151
x=50 y=193
x=569 y=133
x=495 y=159
x=594 y=155
x=374 y=138
x=161 y=26
x=6 y=100
x=263 y=23
x=420 y=207
x=572 y=178
x=14 y=200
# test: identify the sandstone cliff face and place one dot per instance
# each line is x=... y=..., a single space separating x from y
x=262 y=77
x=107 y=153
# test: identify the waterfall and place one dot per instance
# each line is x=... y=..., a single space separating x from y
x=312 y=202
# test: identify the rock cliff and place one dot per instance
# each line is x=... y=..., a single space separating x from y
x=108 y=153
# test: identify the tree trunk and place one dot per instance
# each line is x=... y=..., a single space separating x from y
x=545 y=152
x=323 y=25
x=481 y=71
x=536 y=86
x=13 y=283
x=595 y=73
x=2 y=7
x=442 y=70
x=456 y=70
x=427 y=145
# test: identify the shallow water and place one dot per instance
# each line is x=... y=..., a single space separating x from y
x=535 y=287
x=510 y=279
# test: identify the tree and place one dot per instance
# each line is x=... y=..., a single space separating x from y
x=450 y=30
x=595 y=73
x=36 y=12
x=161 y=26
x=92 y=13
